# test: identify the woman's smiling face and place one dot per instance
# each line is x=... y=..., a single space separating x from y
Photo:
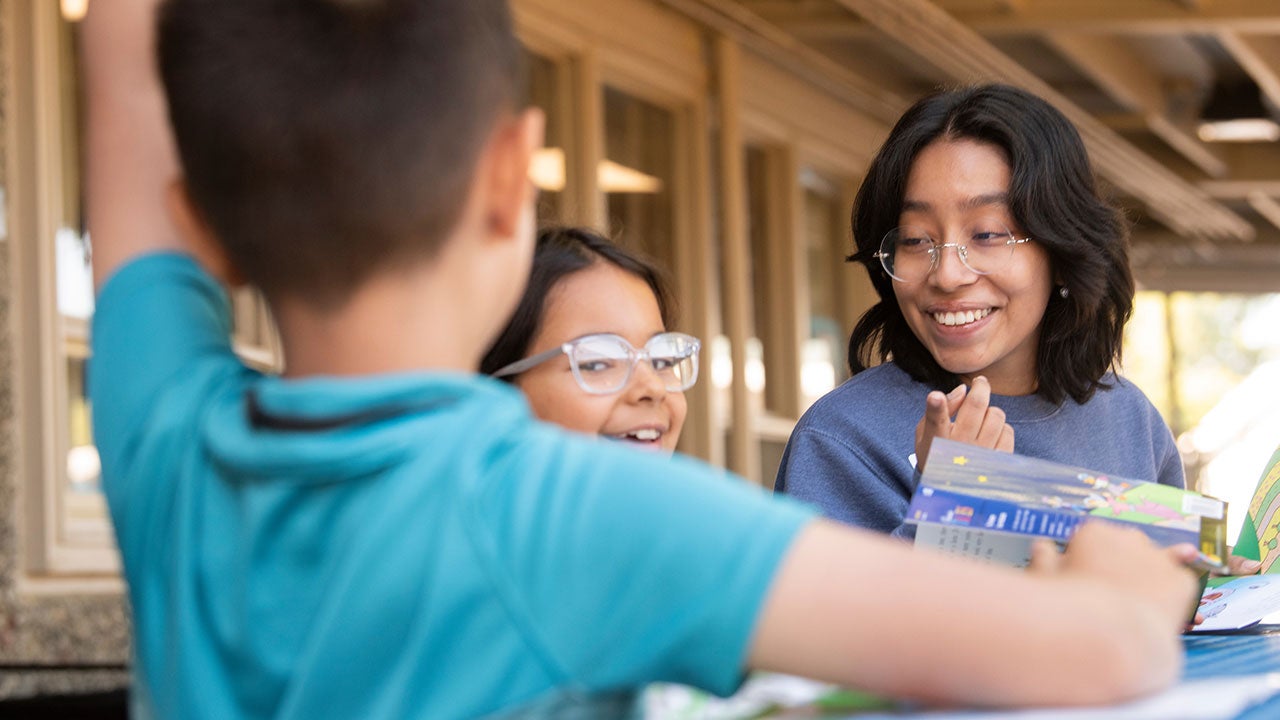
x=973 y=324
x=603 y=299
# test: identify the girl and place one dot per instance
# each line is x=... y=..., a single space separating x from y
x=1001 y=274
x=589 y=347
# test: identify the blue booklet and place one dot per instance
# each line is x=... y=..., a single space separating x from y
x=990 y=505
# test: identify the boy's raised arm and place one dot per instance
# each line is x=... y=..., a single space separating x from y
x=1097 y=625
x=130 y=158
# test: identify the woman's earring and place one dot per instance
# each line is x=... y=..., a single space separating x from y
x=1063 y=292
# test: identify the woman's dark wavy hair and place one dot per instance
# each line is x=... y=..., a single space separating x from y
x=560 y=252
x=1053 y=197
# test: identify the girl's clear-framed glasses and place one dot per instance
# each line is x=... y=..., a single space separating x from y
x=602 y=364
x=910 y=253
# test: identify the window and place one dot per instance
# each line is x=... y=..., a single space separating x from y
x=636 y=175
x=255 y=338
x=67 y=530
x=771 y=352
x=759 y=214
x=774 y=229
x=822 y=362
x=550 y=169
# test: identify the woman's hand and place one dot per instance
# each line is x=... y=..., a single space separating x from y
x=1243 y=565
x=976 y=422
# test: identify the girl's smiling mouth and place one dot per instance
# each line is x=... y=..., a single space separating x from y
x=649 y=436
x=963 y=317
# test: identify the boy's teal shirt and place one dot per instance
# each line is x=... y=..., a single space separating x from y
x=397 y=546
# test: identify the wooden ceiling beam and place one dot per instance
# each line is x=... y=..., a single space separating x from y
x=1260 y=57
x=1266 y=206
x=1238 y=272
x=1254 y=167
x=1125 y=77
x=1113 y=66
x=967 y=57
x=1115 y=17
x=1182 y=137
x=1240 y=189
x=761 y=7
x=1132 y=17
x=736 y=21
x=783 y=10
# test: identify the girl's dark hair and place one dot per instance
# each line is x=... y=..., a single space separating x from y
x=560 y=252
x=1053 y=197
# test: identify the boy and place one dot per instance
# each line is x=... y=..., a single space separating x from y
x=379 y=532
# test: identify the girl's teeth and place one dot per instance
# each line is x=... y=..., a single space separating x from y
x=960 y=318
x=645 y=435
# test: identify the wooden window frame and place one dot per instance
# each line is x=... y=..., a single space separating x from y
x=35 y=110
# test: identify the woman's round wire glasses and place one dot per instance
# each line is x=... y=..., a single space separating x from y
x=602 y=364
x=909 y=253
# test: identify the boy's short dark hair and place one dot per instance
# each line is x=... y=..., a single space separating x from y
x=559 y=253
x=323 y=140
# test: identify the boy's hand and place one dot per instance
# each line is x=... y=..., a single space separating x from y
x=976 y=422
x=1186 y=554
x=1125 y=560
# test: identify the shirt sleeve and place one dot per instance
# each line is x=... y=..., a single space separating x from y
x=1247 y=542
x=155 y=318
x=637 y=568
x=828 y=471
x=1171 y=472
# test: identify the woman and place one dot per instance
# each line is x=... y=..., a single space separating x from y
x=1004 y=278
x=588 y=343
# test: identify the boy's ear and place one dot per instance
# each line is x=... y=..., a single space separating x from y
x=198 y=236
x=510 y=188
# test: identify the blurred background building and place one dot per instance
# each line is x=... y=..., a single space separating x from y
x=725 y=138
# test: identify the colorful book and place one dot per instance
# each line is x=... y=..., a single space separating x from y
x=1235 y=603
x=991 y=505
